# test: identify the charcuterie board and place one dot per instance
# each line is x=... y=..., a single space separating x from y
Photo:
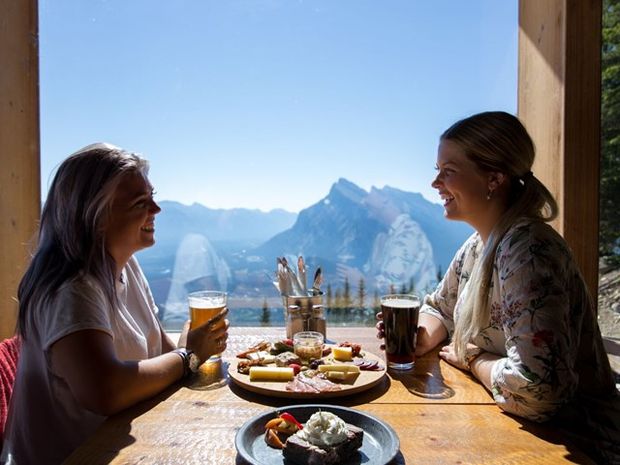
x=366 y=380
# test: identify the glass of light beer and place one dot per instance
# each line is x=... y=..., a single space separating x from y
x=204 y=305
x=400 y=321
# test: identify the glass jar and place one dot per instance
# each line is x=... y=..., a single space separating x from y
x=317 y=320
x=294 y=321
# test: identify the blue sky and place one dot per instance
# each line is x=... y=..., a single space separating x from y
x=266 y=103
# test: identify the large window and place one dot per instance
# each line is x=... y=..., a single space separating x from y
x=279 y=128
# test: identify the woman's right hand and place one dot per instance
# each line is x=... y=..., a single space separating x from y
x=431 y=332
x=209 y=338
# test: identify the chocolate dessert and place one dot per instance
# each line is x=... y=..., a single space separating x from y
x=329 y=441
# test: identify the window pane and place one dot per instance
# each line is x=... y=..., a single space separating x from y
x=279 y=128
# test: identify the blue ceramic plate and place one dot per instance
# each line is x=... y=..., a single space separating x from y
x=379 y=447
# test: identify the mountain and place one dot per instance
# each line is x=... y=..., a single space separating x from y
x=444 y=235
x=387 y=236
x=337 y=229
x=237 y=225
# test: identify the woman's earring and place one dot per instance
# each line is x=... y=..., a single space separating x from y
x=489 y=194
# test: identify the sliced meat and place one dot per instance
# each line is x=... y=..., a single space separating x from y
x=319 y=383
x=313 y=384
x=296 y=385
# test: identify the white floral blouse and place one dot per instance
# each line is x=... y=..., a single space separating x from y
x=542 y=322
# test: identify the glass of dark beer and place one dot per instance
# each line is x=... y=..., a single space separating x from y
x=400 y=320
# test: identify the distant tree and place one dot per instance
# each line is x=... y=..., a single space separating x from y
x=392 y=289
x=265 y=316
x=376 y=301
x=338 y=299
x=609 y=236
x=329 y=296
x=411 y=288
x=346 y=294
x=403 y=288
x=361 y=294
x=439 y=274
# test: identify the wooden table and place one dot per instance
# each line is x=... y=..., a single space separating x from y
x=441 y=415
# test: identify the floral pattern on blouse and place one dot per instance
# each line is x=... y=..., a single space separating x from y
x=541 y=321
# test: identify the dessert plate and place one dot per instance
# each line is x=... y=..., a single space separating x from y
x=379 y=447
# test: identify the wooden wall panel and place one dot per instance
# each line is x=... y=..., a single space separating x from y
x=19 y=148
x=559 y=103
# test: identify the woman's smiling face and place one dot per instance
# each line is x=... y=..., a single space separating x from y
x=131 y=225
x=462 y=186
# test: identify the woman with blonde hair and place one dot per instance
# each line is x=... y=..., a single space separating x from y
x=513 y=300
x=91 y=341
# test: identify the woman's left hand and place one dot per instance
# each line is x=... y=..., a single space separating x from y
x=448 y=354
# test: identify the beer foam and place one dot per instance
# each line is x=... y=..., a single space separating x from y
x=206 y=302
x=401 y=303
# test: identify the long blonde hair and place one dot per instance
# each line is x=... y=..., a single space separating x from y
x=497 y=142
x=71 y=237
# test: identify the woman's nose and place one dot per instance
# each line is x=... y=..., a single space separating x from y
x=435 y=183
x=155 y=209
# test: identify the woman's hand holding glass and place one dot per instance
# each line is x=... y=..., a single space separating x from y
x=207 y=339
x=431 y=332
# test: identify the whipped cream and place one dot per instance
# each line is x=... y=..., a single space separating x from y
x=324 y=429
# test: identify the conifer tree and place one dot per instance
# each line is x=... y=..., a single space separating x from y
x=346 y=294
x=329 y=296
x=376 y=301
x=361 y=294
x=265 y=316
x=338 y=299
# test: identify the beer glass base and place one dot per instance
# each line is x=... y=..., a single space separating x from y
x=211 y=375
x=401 y=366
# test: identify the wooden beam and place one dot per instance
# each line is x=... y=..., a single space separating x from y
x=19 y=149
x=560 y=103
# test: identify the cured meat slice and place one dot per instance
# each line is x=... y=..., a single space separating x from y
x=296 y=385
x=315 y=384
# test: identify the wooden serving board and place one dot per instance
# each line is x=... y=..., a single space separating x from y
x=365 y=380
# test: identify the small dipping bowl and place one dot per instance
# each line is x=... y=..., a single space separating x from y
x=308 y=345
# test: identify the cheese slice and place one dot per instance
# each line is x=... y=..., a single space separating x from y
x=341 y=368
x=343 y=354
x=271 y=373
x=348 y=377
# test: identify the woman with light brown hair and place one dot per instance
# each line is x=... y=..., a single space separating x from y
x=513 y=301
x=91 y=341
